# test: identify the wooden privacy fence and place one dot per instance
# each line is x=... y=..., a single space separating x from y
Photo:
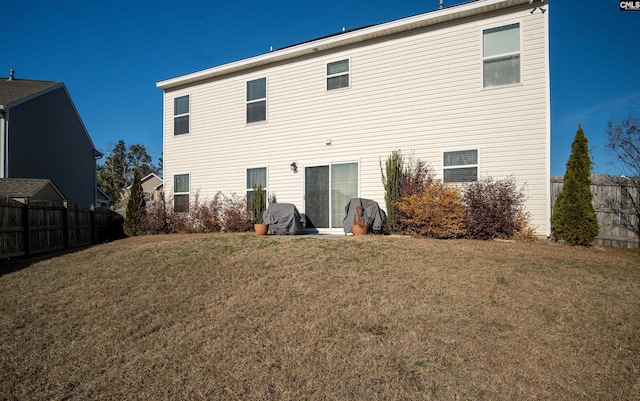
x=35 y=228
x=605 y=193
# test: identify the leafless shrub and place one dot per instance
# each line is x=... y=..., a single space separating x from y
x=416 y=175
x=222 y=213
x=156 y=220
x=234 y=212
x=204 y=215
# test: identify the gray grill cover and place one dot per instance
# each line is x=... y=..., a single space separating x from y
x=372 y=215
x=283 y=219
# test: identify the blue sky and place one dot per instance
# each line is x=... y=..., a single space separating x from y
x=111 y=53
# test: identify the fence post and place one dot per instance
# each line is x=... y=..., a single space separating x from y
x=27 y=230
x=93 y=225
x=65 y=222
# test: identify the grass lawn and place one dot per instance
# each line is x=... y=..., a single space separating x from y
x=225 y=317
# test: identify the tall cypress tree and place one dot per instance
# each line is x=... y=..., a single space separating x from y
x=574 y=218
x=136 y=206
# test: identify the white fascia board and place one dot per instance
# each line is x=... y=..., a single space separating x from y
x=343 y=39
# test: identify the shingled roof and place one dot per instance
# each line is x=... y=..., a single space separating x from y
x=31 y=188
x=16 y=89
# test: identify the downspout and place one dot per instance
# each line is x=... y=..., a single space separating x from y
x=3 y=142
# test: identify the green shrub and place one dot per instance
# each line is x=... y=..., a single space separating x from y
x=436 y=212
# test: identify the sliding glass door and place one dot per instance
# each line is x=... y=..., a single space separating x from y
x=327 y=190
x=316 y=196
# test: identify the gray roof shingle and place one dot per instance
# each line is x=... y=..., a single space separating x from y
x=23 y=187
x=16 y=89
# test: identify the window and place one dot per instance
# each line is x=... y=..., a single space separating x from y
x=181 y=193
x=501 y=55
x=338 y=74
x=460 y=166
x=256 y=176
x=181 y=115
x=257 y=100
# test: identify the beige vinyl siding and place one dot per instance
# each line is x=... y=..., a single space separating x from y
x=420 y=92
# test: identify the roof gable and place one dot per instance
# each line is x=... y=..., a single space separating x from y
x=103 y=196
x=15 y=90
x=34 y=188
x=149 y=181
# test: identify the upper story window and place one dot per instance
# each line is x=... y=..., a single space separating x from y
x=257 y=100
x=460 y=166
x=338 y=74
x=501 y=55
x=181 y=115
x=181 y=193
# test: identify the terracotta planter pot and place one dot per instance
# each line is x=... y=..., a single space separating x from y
x=261 y=229
x=359 y=230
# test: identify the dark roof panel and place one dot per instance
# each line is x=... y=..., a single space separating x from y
x=328 y=36
x=16 y=89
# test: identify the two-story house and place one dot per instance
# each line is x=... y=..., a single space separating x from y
x=42 y=136
x=465 y=88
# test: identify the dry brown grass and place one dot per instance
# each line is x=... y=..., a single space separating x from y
x=226 y=317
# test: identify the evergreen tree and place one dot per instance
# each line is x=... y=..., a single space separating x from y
x=136 y=206
x=116 y=172
x=574 y=218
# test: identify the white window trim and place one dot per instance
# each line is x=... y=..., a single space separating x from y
x=173 y=183
x=483 y=58
x=327 y=76
x=265 y=99
x=188 y=114
x=266 y=178
x=477 y=165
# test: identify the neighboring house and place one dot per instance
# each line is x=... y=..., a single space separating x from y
x=151 y=188
x=465 y=88
x=102 y=199
x=25 y=190
x=42 y=136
